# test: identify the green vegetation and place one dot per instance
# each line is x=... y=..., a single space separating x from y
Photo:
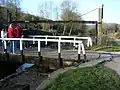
x=105 y=48
x=93 y=78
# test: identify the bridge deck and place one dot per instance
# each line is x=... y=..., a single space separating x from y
x=52 y=53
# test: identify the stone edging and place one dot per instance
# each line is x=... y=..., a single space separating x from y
x=54 y=75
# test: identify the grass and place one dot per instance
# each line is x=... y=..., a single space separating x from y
x=94 y=78
x=106 y=48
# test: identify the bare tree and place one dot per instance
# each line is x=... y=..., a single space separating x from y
x=44 y=13
x=69 y=12
x=50 y=9
x=12 y=6
x=69 y=9
x=56 y=12
x=41 y=11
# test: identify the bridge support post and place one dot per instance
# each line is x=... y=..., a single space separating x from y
x=59 y=54
x=81 y=47
x=83 y=51
x=6 y=54
x=85 y=59
x=78 y=57
x=60 y=60
x=39 y=55
x=22 y=54
x=79 y=52
x=39 y=59
x=5 y=51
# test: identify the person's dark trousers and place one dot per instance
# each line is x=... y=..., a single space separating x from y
x=12 y=46
x=3 y=47
x=18 y=44
x=26 y=44
x=2 y=44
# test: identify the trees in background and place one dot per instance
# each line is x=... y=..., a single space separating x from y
x=13 y=6
x=110 y=31
x=66 y=11
x=69 y=13
x=47 y=11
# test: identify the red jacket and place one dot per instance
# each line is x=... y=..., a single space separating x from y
x=11 y=32
x=19 y=31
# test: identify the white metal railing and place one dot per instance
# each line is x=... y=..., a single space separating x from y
x=80 y=44
x=89 y=40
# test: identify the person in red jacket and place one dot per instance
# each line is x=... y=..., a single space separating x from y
x=11 y=34
x=18 y=33
x=11 y=31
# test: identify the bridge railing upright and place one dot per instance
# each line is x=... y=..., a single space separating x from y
x=81 y=49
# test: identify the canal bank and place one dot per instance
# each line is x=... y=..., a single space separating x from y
x=18 y=75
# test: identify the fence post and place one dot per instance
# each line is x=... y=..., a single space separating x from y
x=21 y=49
x=39 y=54
x=59 y=53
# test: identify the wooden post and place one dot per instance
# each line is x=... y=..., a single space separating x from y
x=22 y=54
x=39 y=59
x=59 y=54
x=96 y=33
x=99 y=26
x=60 y=60
x=39 y=54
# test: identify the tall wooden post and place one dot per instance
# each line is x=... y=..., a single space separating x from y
x=22 y=54
x=99 y=26
x=59 y=53
x=96 y=33
x=39 y=55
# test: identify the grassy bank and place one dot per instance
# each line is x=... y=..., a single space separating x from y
x=106 y=48
x=94 y=78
